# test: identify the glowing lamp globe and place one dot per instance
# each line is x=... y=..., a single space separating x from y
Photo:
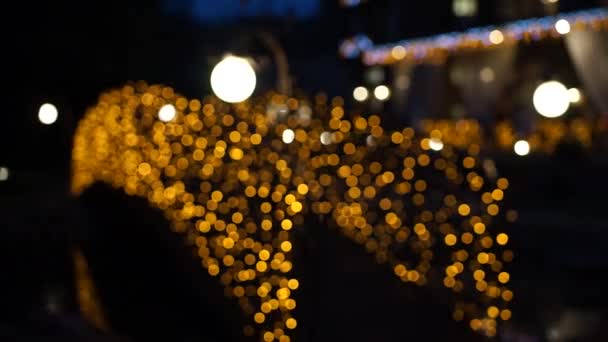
x=522 y=148
x=47 y=114
x=551 y=99
x=233 y=79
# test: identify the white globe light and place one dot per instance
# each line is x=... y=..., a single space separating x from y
x=288 y=136
x=47 y=114
x=551 y=99
x=360 y=94
x=575 y=95
x=562 y=26
x=233 y=79
x=382 y=92
x=436 y=144
x=522 y=148
x=166 y=113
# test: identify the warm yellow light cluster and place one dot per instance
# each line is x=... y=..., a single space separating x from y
x=238 y=179
x=438 y=48
x=547 y=135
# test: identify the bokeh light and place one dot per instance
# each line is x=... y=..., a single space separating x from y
x=288 y=136
x=436 y=144
x=496 y=37
x=233 y=79
x=382 y=92
x=4 y=173
x=551 y=99
x=562 y=26
x=360 y=94
x=521 y=148
x=575 y=95
x=48 y=114
x=487 y=75
x=464 y=8
x=237 y=185
x=166 y=113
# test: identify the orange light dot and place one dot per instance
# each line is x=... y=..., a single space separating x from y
x=291 y=323
x=483 y=258
x=504 y=277
x=464 y=209
x=286 y=246
x=450 y=239
x=502 y=239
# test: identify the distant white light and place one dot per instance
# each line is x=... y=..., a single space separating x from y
x=496 y=37
x=370 y=140
x=522 y=148
x=487 y=75
x=402 y=82
x=382 y=92
x=562 y=26
x=375 y=75
x=3 y=174
x=233 y=79
x=575 y=95
x=436 y=144
x=47 y=114
x=546 y=2
x=304 y=115
x=288 y=136
x=325 y=138
x=551 y=99
x=464 y=8
x=167 y=113
x=360 y=94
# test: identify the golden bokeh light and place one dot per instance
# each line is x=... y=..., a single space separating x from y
x=239 y=184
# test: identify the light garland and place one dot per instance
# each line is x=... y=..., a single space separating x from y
x=544 y=138
x=439 y=46
x=238 y=179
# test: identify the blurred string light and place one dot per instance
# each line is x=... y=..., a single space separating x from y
x=575 y=95
x=496 y=37
x=382 y=92
x=166 y=113
x=325 y=138
x=551 y=99
x=545 y=138
x=522 y=148
x=437 y=47
x=353 y=46
x=4 y=173
x=47 y=114
x=233 y=79
x=436 y=144
x=360 y=94
x=288 y=136
x=237 y=185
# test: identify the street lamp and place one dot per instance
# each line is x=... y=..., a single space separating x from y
x=233 y=79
